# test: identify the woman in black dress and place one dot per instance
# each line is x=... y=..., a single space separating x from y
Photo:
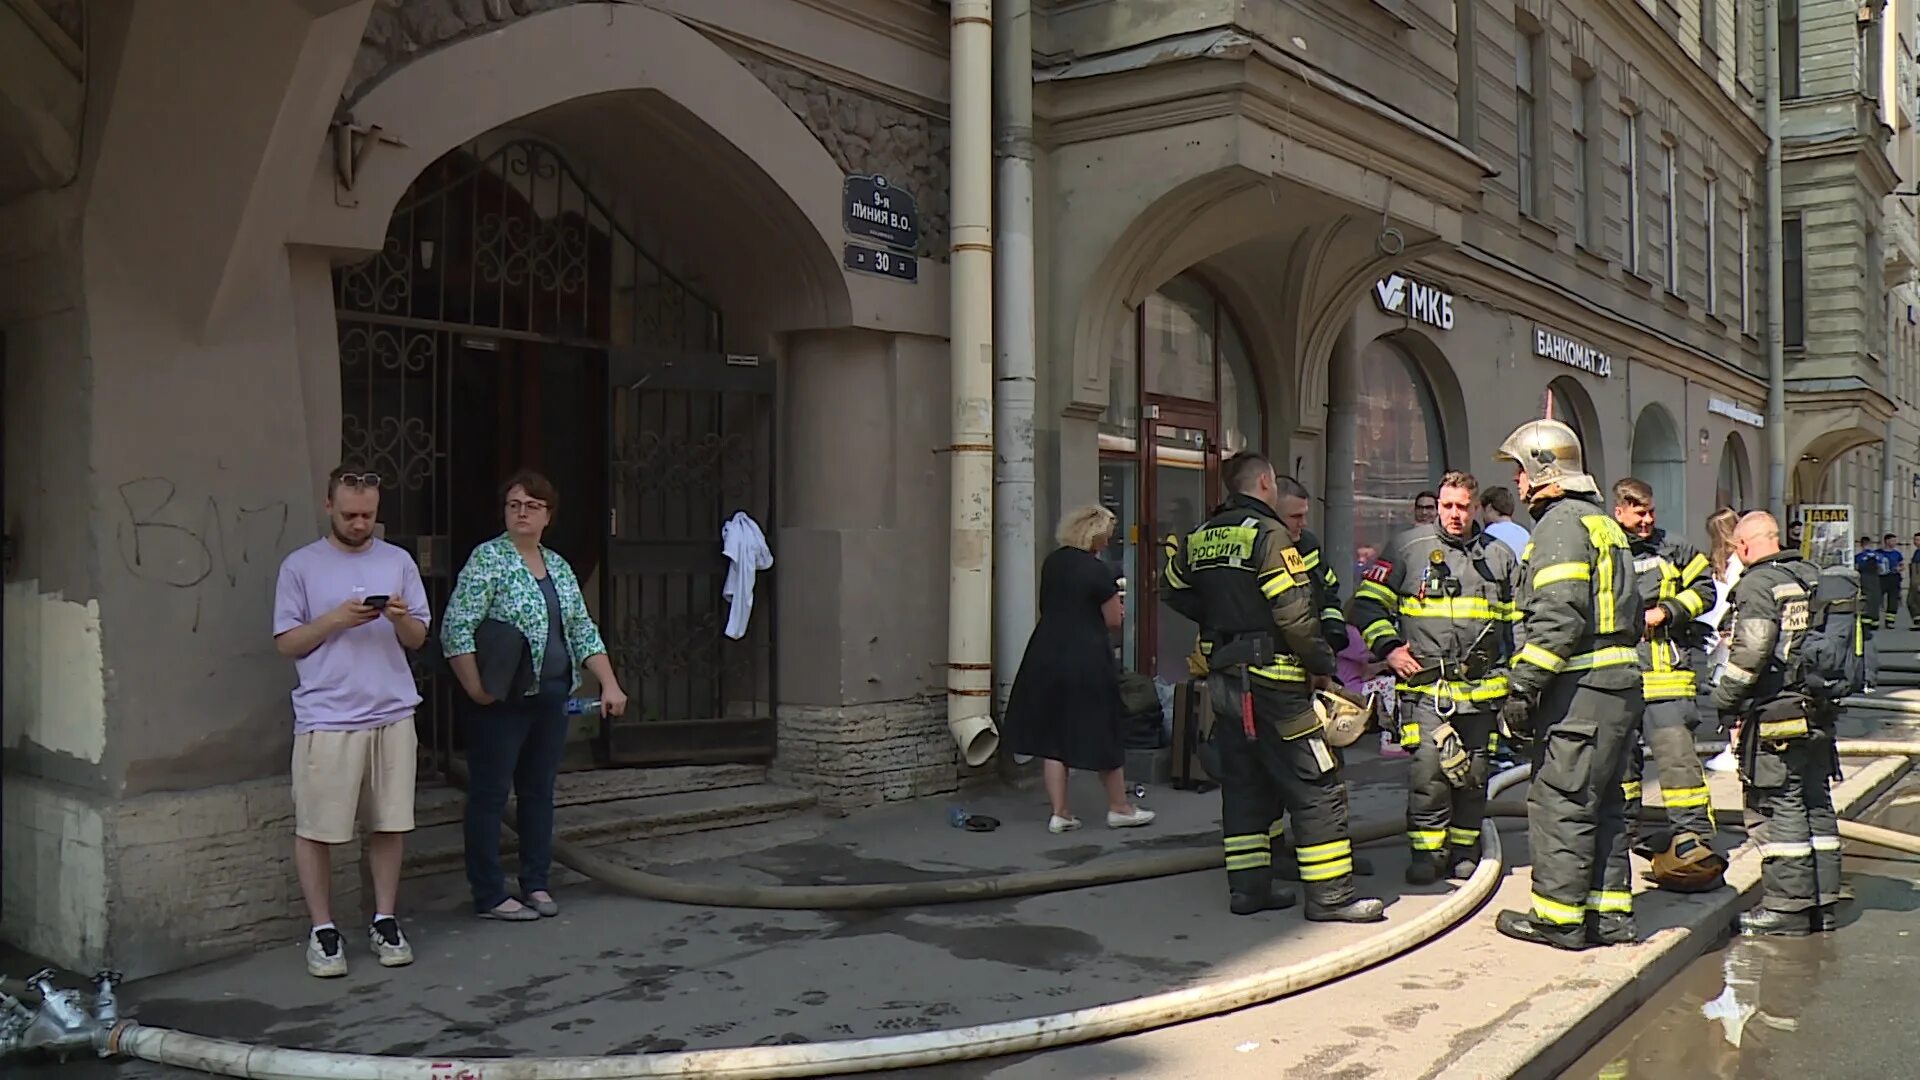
x=1065 y=703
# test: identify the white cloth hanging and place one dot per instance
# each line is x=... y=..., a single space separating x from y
x=746 y=548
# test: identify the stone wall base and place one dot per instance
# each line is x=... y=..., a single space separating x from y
x=851 y=756
x=158 y=882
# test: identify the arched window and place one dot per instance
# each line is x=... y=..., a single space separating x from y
x=1731 y=487
x=1659 y=458
x=1399 y=445
x=1182 y=395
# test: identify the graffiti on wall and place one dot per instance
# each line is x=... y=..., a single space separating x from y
x=193 y=544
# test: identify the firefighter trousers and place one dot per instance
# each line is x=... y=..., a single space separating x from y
x=1443 y=821
x=1576 y=811
x=1788 y=790
x=1301 y=776
x=1666 y=732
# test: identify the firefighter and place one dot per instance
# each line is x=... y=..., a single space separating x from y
x=1675 y=589
x=1574 y=685
x=1786 y=748
x=1241 y=579
x=1438 y=607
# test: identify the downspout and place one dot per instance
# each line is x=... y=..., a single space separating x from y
x=1014 y=594
x=1887 y=467
x=970 y=517
x=1343 y=421
x=1776 y=275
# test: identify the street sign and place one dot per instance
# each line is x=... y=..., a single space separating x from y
x=876 y=210
x=885 y=263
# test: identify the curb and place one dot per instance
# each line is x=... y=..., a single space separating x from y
x=1543 y=1038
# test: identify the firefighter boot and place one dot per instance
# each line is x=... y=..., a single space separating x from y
x=1287 y=868
x=1279 y=898
x=1426 y=867
x=1611 y=929
x=1828 y=919
x=1767 y=922
x=1522 y=926
x=1362 y=909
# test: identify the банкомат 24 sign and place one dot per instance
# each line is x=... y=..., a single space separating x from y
x=1553 y=345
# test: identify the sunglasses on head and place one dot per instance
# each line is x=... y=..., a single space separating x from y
x=360 y=480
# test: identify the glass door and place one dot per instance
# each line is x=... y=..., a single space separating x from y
x=1182 y=471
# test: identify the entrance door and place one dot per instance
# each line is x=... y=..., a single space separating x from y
x=692 y=446
x=1183 y=465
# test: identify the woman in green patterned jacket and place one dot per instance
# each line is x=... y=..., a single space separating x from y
x=516 y=744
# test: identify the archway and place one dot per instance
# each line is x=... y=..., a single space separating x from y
x=1659 y=457
x=1567 y=401
x=1734 y=484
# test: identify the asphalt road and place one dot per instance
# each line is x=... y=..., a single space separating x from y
x=1831 y=1006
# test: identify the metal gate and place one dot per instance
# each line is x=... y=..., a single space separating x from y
x=506 y=300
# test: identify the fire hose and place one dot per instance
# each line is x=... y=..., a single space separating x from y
x=224 y=1057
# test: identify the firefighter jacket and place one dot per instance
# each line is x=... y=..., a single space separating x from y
x=1772 y=608
x=1326 y=591
x=1579 y=611
x=1670 y=573
x=1239 y=575
x=1444 y=597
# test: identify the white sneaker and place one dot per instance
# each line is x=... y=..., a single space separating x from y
x=389 y=944
x=1132 y=820
x=326 y=954
x=1724 y=761
x=1058 y=824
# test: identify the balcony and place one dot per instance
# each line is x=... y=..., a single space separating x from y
x=1353 y=41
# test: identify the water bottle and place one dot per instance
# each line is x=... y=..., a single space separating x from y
x=1139 y=792
x=581 y=706
x=957 y=817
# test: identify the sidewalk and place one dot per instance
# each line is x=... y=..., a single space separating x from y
x=616 y=975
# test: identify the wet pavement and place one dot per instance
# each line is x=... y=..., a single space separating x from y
x=1825 y=1007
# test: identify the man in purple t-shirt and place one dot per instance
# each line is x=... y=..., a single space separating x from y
x=345 y=610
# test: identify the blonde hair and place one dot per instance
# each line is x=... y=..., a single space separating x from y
x=1720 y=526
x=1086 y=527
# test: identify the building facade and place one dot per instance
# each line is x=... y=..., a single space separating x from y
x=614 y=241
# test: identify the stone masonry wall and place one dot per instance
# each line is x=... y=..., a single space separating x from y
x=399 y=30
x=866 y=137
x=858 y=755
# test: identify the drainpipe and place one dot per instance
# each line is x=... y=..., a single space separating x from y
x=970 y=521
x=1776 y=274
x=1014 y=596
x=1343 y=430
x=1887 y=466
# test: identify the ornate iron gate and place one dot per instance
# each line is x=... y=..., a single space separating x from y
x=484 y=336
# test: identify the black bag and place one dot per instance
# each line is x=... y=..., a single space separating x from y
x=1833 y=658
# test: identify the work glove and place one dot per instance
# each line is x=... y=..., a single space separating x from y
x=1516 y=721
x=1455 y=765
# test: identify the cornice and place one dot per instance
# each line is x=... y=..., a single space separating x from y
x=1531 y=296
x=1653 y=38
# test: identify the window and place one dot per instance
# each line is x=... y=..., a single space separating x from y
x=1630 y=170
x=1584 y=207
x=1466 y=82
x=1713 y=244
x=1793 y=309
x=1527 y=160
x=1789 y=48
x=1746 y=270
x=1398 y=443
x=1670 y=173
x=1710 y=29
x=1867 y=63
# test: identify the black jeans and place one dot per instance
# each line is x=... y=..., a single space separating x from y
x=512 y=745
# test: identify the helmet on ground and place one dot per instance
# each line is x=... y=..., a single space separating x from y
x=1688 y=865
x=1343 y=718
x=1549 y=453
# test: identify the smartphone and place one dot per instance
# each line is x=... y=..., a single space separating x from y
x=378 y=600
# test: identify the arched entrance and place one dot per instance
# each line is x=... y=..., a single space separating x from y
x=1567 y=401
x=1734 y=485
x=1659 y=457
x=1183 y=397
x=1400 y=444
x=511 y=319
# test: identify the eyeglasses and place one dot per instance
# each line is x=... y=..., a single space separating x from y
x=531 y=506
x=359 y=480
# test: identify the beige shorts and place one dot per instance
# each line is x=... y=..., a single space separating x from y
x=332 y=770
